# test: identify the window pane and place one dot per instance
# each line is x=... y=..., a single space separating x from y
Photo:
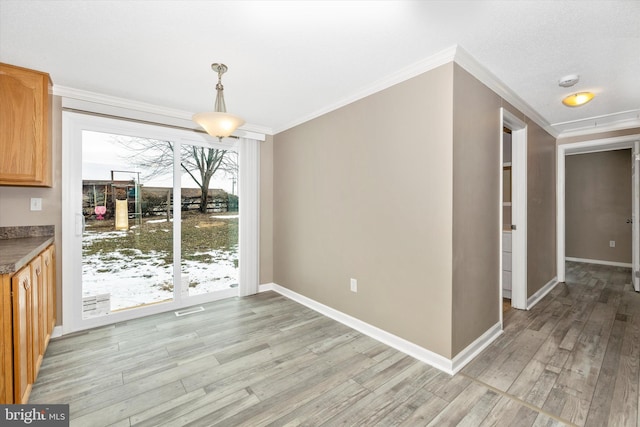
x=209 y=220
x=127 y=252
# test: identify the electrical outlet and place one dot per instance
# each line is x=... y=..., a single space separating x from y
x=612 y=243
x=354 y=285
x=36 y=204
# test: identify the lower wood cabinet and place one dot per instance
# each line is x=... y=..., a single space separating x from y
x=27 y=314
x=48 y=295
x=22 y=362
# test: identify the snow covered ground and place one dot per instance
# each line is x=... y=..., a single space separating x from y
x=133 y=278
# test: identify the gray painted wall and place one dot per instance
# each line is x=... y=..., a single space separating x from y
x=598 y=204
x=476 y=208
x=365 y=192
x=541 y=207
x=400 y=190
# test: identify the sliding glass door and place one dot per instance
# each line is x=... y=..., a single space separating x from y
x=127 y=240
x=154 y=220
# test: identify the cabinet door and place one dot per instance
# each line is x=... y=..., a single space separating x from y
x=35 y=320
x=22 y=369
x=50 y=262
x=45 y=294
x=6 y=341
x=24 y=127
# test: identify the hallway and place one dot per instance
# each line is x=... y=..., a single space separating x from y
x=575 y=355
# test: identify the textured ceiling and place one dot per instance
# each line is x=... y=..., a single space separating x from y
x=290 y=60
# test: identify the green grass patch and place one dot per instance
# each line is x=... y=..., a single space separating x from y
x=200 y=234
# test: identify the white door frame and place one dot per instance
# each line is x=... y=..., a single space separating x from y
x=635 y=208
x=518 y=209
x=593 y=146
x=72 y=126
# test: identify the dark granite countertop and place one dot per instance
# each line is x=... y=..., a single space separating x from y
x=19 y=245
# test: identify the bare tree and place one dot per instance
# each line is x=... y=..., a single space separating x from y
x=200 y=163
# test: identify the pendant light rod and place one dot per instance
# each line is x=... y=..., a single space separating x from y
x=220 y=105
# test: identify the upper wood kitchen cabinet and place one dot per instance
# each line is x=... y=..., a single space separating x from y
x=25 y=120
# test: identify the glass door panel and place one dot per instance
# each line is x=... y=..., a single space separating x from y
x=127 y=239
x=209 y=227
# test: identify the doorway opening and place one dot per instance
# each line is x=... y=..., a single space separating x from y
x=598 y=207
x=507 y=221
x=631 y=142
x=513 y=212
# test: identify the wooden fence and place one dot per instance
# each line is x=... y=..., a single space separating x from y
x=153 y=201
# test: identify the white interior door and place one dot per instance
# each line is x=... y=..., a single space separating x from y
x=635 y=189
x=518 y=209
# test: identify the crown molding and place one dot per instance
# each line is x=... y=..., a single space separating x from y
x=599 y=124
x=443 y=57
x=480 y=72
x=610 y=122
x=113 y=101
x=455 y=54
x=592 y=125
x=143 y=107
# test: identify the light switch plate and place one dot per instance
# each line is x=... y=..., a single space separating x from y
x=36 y=204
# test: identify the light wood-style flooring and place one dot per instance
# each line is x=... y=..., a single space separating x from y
x=265 y=360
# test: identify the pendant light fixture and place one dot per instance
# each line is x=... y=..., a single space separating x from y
x=218 y=123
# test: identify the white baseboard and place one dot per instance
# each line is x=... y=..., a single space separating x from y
x=542 y=292
x=601 y=262
x=506 y=293
x=473 y=349
x=265 y=287
x=449 y=366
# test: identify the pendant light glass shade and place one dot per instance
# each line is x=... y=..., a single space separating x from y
x=218 y=123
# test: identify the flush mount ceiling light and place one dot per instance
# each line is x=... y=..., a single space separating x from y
x=218 y=123
x=578 y=99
